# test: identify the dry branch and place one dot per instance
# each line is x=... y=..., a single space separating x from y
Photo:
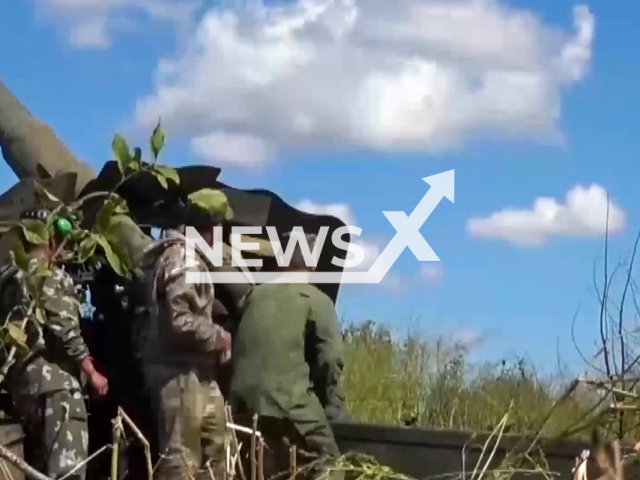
x=141 y=438
x=20 y=464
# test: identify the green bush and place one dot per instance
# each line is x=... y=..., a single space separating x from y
x=417 y=381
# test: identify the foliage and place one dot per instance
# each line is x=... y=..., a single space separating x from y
x=60 y=234
x=420 y=381
x=423 y=382
x=130 y=162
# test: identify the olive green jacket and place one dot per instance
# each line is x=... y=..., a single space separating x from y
x=287 y=352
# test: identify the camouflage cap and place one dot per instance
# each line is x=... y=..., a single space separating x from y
x=212 y=201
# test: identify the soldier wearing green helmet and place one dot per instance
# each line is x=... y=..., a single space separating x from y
x=182 y=349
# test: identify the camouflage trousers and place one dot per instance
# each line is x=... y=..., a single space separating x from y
x=191 y=425
x=56 y=426
x=316 y=448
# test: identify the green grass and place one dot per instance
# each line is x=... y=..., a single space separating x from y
x=429 y=383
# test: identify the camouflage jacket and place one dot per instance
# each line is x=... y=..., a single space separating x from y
x=57 y=344
x=179 y=329
x=288 y=353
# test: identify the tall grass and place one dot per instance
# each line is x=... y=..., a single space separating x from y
x=418 y=381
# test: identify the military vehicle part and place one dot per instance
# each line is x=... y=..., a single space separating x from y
x=37 y=156
x=30 y=147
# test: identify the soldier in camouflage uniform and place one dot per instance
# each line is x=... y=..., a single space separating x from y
x=180 y=352
x=287 y=354
x=45 y=384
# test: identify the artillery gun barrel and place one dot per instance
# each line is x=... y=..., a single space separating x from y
x=30 y=147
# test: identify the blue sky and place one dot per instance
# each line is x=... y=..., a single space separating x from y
x=312 y=121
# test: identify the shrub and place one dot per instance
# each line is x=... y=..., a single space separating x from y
x=419 y=381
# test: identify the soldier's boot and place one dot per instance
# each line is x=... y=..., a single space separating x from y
x=214 y=435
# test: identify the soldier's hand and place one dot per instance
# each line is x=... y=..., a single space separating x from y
x=223 y=344
x=99 y=383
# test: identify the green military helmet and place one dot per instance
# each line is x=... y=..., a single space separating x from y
x=213 y=202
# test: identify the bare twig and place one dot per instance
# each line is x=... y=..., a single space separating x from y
x=605 y=293
x=147 y=447
x=499 y=427
x=240 y=428
x=85 y=462
x=261 y=459
x=21 y=465
x=293 y=457
x=232 y=429
x=5 y=470
x=253 y=447
x=115 y=452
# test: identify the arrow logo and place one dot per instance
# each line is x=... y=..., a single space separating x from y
x=408 y=228
x=407 y=234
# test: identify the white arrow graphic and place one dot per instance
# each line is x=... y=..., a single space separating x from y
x=408 y=230
x=407 y=235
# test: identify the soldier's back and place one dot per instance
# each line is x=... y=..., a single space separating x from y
x=271 y=375
x=166 y=277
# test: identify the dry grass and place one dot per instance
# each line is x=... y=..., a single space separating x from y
x=422 y=382
x=417 y=381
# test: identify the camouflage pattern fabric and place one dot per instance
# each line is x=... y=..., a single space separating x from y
x=180 y=330
x=45 y=389
x=191 y=423
x=179 y=361
x=288 y=363
x=57 y=423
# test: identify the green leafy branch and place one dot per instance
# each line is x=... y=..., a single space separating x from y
x=130 y=162
x=66 y=241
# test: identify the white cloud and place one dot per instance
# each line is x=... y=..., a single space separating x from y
x=584 y=214
x=91 y=24
x=431 y=273
x=223 y=149
x=90 y=34
x=343 y=212
x=410 y=74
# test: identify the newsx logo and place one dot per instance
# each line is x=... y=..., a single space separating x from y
x=407 y=236
x=215 y=254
